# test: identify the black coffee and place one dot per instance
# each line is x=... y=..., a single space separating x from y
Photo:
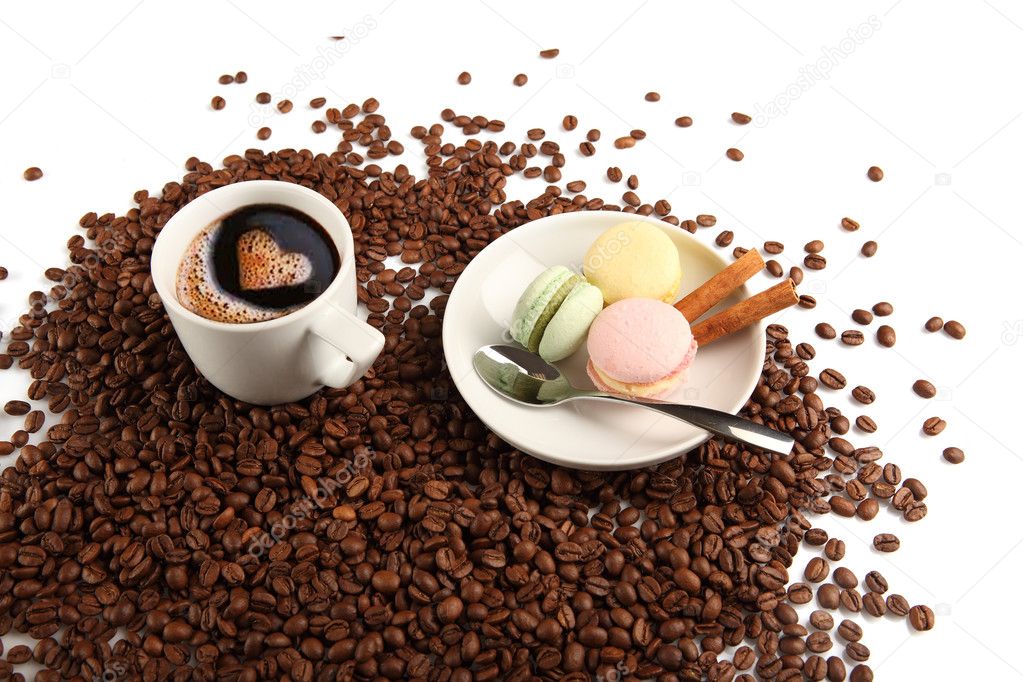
x=258 y=263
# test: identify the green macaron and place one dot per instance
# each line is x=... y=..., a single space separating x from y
x=554 y=313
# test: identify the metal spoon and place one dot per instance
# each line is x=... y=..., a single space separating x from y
x=528 y=379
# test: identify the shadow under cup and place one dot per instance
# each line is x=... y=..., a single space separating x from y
x=281 y=359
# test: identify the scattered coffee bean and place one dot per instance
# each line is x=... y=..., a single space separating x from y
x=550 y=54
x=706 y=220
x=814 y=246
x=724 y=238
x=828 y=596
x=741 y=119
x=832 y=378
x=934 y=324
x=569 y=122
x=897 y=605
x=822 y=620
x=226 y=79
x=863 y=395
x=807 y=301
x=520 y=79
x=954 y=329
x=683 y=121
x=576 y=186
x=3 y=273
x=852 y=337
x=874 y=604
x=626 y=142
x=632 y=182
x=953 y=455
x=850 y=225
x=869 y=249
x=774 y=268
x=886 y=336
x=734 y=154
x=875 y=174
x=464 y=78
x=883 y=309
x=886 y=542
x=866 y=424
x=825 y=330
x=263 y=98
x=218 y=103
x=264 y=133
x=317 y=102
x=850 y=631
x=816 y=570
x=933 y=426
x=17 y=408
x=34 y=173
x=815 y=261
x=921 y=618
x=796 y=275
x=284 y=106
x=774 y=248
x=861 y=673
x=924 y=388
x=861 y=316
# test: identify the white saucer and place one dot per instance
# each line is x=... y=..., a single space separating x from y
x=588 y=434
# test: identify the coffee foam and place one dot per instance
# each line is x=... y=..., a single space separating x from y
x=262 y=264
x=197 y=288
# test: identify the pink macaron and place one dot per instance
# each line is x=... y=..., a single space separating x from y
x=639 y=347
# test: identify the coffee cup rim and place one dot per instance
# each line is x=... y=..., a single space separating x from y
x=340 y=233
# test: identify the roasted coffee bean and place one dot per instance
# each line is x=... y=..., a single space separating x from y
x=886 y=542
x=886 y=336
x=921 y=618
x=953 y=455
x=954 y=329
x=816 y=570
x=799 y=593
x=861 y=316
x=866 y=424
x=845 y=578
x=934 y=324
x=857 y=651
x=832 y=378
x=734 y=154
x=850 y=225
x=850 y=631
x=825 y=330
x=883 y=309
x=897 y=604
x=17 y=408
x=815 y=537
x=864 y=395
x=263 y=133
x=873 y=603
x=924 y=388
x=520 y=79
x=815 y=261
x=852 y=337
x=774 y=268
x=835 y=549
x=683 y=121
x=263 y=98
x=464 y=78
x=285 y=105
x=34 y=173
x=814 y=246
x=828 y=596
x=626 y=142
x=724 y=238
x=822 y=620
x=861 y=673
x=933 y=426
x=869 y=249
x=652 y=97
x=218 y=103
x=774 y=247
x=875 y=174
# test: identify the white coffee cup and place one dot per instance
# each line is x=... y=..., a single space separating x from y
x=287 y=358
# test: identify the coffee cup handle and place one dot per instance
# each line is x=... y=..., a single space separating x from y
x=344 y=347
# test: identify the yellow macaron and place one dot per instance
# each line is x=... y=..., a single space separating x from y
x=634 y=259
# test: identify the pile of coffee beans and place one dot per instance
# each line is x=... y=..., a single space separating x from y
x=162 y=530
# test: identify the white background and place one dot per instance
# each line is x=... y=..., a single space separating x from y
x=113 y=97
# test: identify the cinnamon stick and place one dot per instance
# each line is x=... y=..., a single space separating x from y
x=745 y=313
x=718 y=287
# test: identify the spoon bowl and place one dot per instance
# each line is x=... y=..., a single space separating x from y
x=528 y=379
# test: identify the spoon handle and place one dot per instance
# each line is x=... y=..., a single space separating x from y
x=715 y=421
